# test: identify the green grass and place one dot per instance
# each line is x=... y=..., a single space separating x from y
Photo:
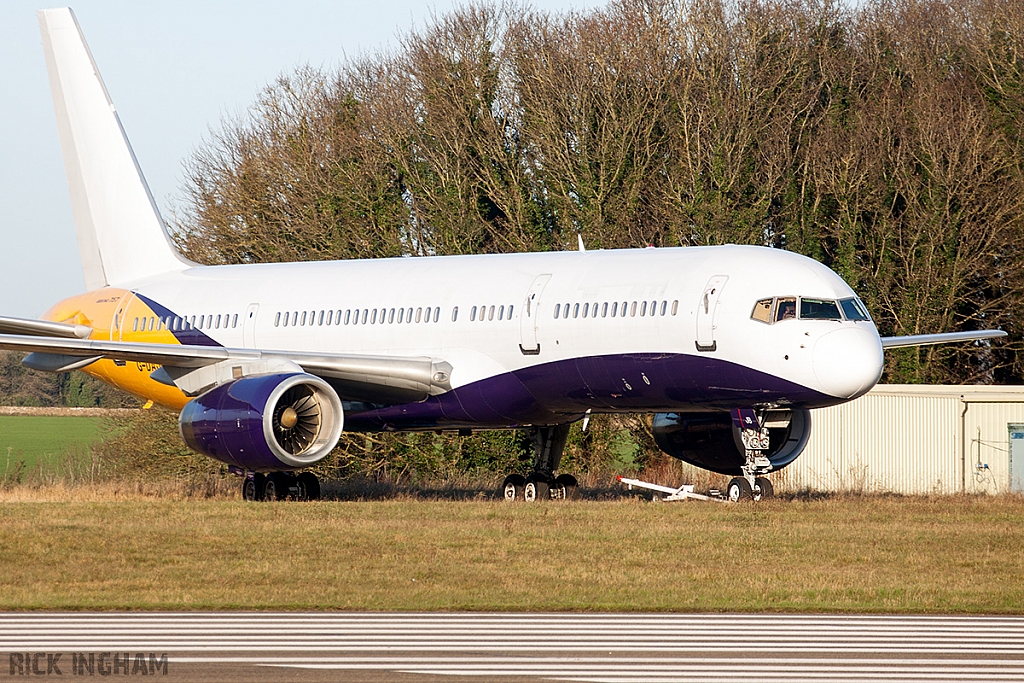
x=35 y=439
x=940 y=555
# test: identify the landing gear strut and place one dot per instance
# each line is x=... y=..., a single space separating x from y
x=272 y=486
x=751 y=485
x=542 y=484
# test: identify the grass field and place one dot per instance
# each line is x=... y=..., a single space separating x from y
x=874 y=554
x=33 y=439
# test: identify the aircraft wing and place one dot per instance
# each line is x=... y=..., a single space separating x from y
x=194 y=369
x=944 y=338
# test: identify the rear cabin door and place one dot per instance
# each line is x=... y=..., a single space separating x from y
x=528 y=317
x=707 y=317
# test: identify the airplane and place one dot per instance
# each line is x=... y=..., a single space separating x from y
x=729 y=347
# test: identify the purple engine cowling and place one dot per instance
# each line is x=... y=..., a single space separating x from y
x=712 y=440
x=265 y=423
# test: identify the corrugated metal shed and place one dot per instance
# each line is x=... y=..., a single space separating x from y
x=905 y=438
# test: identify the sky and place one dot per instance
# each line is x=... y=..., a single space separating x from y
x=175 y=71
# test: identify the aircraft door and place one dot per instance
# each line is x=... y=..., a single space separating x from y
x=120 y=315
x=528 y=316
x=249 y=326
x=707 y=313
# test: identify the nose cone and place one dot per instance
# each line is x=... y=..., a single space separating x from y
x=848 y=362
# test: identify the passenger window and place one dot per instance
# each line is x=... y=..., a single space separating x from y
x=557 y=307
x=320 y=319
x=234 y=320
x=604 y=310
x=373 y=317
x=277 y=319
x=490 y=313
x=643 y=308
x=135 y=325
x=632 y=310
x=217 y=325
x=501 y=312
x=576 y=311
x=785 y=309
x=664 y=307
x=762 y=311
x=854 y=309
x=510 y=311
x=437 y=313
x=615 y=308
x=348 y=316
x=192 y=323
x=330 y=318
x=383 y=313
x=819 y=309
x=675 y=306
x=586 y=309
x=472 y=314
x=391 y=316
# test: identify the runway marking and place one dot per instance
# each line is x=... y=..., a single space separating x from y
x=726 y=648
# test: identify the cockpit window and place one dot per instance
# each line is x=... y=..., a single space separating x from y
x=763 y=311
x=819 y=309
x=786 y=309
x=853 y=309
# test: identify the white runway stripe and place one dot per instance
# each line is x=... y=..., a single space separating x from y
x=649 y=648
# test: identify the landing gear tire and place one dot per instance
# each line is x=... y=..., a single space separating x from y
x=512 y=487
x=536 y=489
x=249 y=489
x=274 y=488
x=564 y=487
x=763 y=489
x=309 y=486
x=739 y=489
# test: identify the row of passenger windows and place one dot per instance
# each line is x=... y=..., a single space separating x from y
x=482 y=313
x=786 y=308
x=178 y=323
x=616 y=309
x=355 y=316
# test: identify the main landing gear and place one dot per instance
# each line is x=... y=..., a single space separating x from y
x=752 y=485
x=280 y=486
x=541 y=484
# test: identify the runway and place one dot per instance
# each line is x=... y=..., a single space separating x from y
x=605 y=648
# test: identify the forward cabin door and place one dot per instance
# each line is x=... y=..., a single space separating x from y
x=249 y=326
x=707 y=313
x=528 y=317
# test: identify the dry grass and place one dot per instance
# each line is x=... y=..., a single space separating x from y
x=124 y=549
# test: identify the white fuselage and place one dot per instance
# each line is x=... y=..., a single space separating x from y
x=702 y=298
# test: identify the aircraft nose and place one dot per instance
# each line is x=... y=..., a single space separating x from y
x=848 y=362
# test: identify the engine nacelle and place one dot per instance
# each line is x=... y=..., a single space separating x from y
x=712 y=441
x=265 y=423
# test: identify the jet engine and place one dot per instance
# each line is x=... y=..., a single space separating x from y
x=266 y=422
x=713 y=441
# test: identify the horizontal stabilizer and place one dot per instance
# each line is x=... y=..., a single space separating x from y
x=43 y=328
x=944 y=338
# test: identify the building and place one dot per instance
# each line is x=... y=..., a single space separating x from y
x=915 y=439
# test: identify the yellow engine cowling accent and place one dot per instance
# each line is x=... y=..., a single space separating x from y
x=118 y=315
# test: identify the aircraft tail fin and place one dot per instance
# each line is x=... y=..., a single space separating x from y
x=121 y=237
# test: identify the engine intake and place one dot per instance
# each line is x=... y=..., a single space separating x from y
x=712 y=441
x=267 y=422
